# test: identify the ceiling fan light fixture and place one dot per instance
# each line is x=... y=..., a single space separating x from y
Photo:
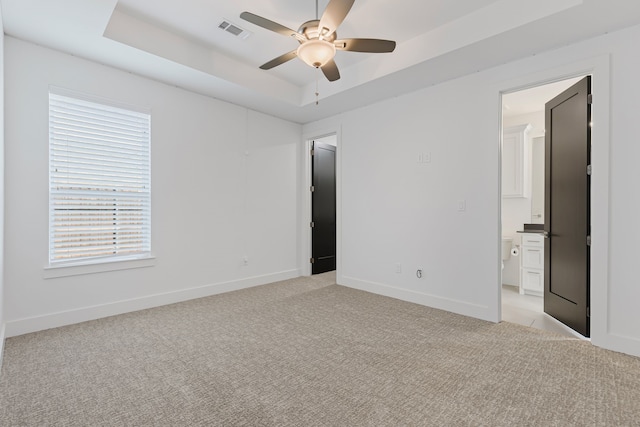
x=316 y=53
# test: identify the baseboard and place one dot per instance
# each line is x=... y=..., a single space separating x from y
x=54 y=320
x=617 y=342
x=2 y=339
x=455 y=306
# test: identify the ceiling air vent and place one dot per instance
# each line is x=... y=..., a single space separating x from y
x=234 y=30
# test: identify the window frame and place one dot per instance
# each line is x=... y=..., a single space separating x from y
x=142 y=255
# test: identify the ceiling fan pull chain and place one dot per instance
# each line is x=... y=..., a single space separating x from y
x=318 y=70
x=317 y=10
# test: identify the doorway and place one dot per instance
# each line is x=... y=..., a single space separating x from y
x=522 y=214
x=323 y=205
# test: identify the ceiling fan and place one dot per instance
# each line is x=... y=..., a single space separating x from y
x=318 y=39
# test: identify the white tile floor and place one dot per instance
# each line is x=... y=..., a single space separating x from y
x=528 y=310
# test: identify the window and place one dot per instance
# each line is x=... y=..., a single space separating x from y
x=99 y=181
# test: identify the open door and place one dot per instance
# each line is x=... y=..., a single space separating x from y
x=323 y=208
x=567 y=206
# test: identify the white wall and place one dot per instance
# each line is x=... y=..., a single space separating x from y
x=223 y=187
x=2 y=318
x=397 y=210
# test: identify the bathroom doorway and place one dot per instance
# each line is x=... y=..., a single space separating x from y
x=523 y=216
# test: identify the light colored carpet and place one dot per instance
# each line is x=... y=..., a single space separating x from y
x=307 y=352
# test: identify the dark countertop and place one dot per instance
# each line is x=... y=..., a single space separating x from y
x=532 y=228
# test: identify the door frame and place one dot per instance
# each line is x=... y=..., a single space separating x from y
x=599 y=68
x=305 y=199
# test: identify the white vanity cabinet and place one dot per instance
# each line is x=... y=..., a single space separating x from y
x=516 y=174
x=532 y=264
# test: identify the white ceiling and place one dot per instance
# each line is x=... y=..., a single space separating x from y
x=532 y=100
x=178 y=42
x=199 y=19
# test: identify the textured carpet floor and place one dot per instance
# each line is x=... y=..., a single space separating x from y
x=307 y=352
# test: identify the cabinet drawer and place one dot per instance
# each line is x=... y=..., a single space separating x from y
x=532 y=239
x=532 y=280
x=532 y=257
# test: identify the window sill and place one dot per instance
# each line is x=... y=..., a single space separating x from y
x=80 y=268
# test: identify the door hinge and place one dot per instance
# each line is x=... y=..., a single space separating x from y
x=589 y=240
x=312 y=189
x=312 y=224
x=590 y=99
x=313 y=151
x=588 y=311
x=312 y=261
x=589 y=169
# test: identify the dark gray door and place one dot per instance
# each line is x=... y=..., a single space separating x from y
x=567 y=206
x=323 y=208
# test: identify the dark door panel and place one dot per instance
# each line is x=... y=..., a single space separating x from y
x=567 y=206
x=323 y=208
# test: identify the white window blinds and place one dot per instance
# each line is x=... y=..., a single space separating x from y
x=99 y=181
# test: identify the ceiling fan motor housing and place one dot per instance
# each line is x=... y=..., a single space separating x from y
x=309 y=29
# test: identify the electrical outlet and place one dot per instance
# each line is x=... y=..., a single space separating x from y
x=420 y=273
x=245 y=260
x=398 y=267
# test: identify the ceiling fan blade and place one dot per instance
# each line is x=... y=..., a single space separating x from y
x=279 y=60
x=330 y=71
x=271 y=26
x=366 y=45
x=333 y=15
